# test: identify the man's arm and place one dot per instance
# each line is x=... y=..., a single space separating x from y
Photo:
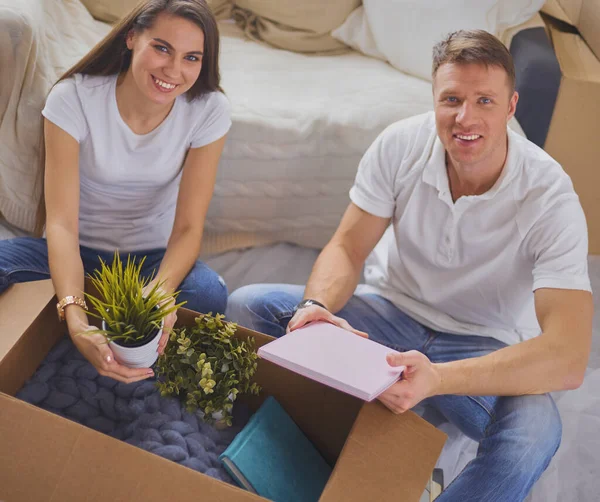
x=554 y=360
x=336 y=272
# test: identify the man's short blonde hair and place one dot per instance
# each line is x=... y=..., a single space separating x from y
x=473 y=47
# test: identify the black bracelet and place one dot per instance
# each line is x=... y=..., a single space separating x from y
x=307 y=303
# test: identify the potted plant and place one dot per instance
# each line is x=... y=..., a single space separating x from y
x=207 y=367
x=132 y=311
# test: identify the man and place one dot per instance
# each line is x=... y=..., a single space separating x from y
x=479 y=276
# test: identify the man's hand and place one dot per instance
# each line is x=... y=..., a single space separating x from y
x=420 y=380
x=315 y=313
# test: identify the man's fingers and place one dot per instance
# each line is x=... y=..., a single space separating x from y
x=316 y=313
x=391 y=404
x=309 y=314
x=301 y=318
x=297 y=321
x=342 y=323
x=360 y=333
x=401 y=392
x=409 y=358
x=392 y=391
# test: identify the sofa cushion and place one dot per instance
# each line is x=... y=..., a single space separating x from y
x=405 y=31
x=111 y=11
x=36 y=47
x=356 y=33
x=296 y=26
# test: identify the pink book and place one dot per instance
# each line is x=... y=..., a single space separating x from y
x=335 y=357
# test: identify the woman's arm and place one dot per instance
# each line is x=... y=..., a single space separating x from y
x=61 y=190
x=195 y=193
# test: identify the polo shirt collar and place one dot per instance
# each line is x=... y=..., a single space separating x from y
x=436 y=175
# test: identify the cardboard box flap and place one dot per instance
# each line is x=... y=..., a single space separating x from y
x=20 y=305
x=572 y=138
x=398 y=451
x=67 y=462
x=567 y=11
x=576 y=59
x=26 y=335
x=589 y=25
x=581 y=14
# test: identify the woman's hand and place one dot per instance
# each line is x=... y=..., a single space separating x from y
x=95 y=349
x=314 y=313
x=168 y=326
x=169 y=321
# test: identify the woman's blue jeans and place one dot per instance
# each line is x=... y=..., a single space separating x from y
x=26 y=259
x=517 y=436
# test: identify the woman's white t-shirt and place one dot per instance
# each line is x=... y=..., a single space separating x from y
x=129 y=182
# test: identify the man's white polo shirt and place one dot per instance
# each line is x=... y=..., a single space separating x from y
x=470 y=266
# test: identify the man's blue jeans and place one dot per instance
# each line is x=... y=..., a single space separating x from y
x=517 y=436
x=26 y=259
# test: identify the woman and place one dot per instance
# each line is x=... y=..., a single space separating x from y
x=133 y=134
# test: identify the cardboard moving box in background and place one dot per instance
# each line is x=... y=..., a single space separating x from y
x=574 y=135
x=43 y=457
x=583 y=14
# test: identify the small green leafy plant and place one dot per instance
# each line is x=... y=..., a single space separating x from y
x=130 y=312
x=207 y=367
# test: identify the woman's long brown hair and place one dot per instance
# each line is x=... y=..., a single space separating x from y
x=111 y=56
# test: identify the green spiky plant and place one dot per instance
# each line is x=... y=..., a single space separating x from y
x=207 y=367
x=130 y=313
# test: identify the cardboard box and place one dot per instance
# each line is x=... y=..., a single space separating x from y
x=574 y=134
x=43 y=457
x=583 y=14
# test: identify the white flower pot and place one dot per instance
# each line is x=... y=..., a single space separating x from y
x=142 y=356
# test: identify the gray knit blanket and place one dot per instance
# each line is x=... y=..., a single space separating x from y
x=68 y=385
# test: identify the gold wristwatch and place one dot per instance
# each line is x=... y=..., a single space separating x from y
x=66 y=301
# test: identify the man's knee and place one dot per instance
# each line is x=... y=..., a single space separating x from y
x=23 y=259
x=264 y=307
x=540 y=429
x=239 y=302
x=256 y=300
x=547 y=427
